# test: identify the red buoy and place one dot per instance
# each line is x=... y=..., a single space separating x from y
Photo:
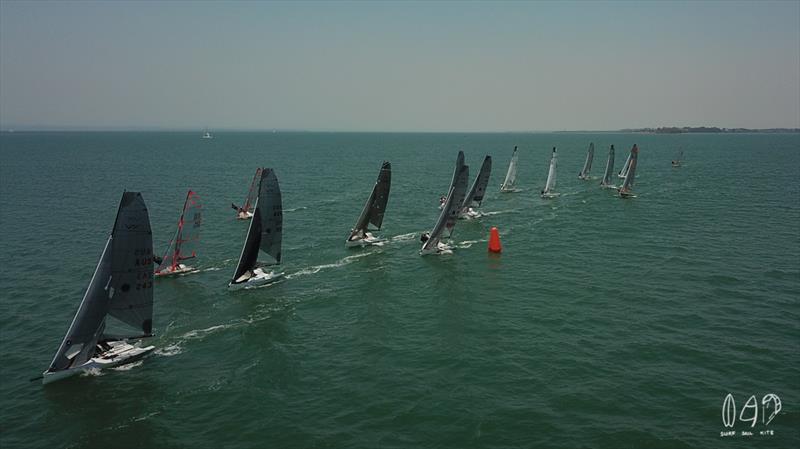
x=494 y=241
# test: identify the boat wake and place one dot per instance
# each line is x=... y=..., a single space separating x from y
x=499 y=212
x=468 y=243
x=317 y=268
x=169 y=351
x=92 y=372
x=212 y=269
x=404 y=237
x=295 y=209
x=128 y=366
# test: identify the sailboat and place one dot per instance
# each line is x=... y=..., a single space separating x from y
x=456 y=171
x=550 y=185
x=432 y=243
x=477 y=191
x=207 y=135
x=677 y=161
x=627 y=184
x=246 y=211
x=263 y=235
x=184 y=245
x=511 y=174
x=373 y=211
x=624 y=172
x=584 y=174
x=117 y=307
x=606 y=181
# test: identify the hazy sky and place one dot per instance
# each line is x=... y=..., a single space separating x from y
x=399 y=66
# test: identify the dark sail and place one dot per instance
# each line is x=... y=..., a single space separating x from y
x=478 y=189
x=270 y=210
x=375 y=206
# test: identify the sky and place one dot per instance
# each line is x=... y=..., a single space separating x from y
x=405 y=66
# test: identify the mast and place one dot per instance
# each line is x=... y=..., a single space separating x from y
x=449 y=214
x=627 y=184
x=184 y=245
x=252 y=193
x=624 y=171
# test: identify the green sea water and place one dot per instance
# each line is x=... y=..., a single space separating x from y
x=605 y=323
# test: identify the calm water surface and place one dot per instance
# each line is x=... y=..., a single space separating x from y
x=604 y=323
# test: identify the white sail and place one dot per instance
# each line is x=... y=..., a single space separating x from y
x=624 y=172
x=449 y=214
x=551 y=176
x=511 y=175
x=587 y=166
x=606 y=181
x=627 y=185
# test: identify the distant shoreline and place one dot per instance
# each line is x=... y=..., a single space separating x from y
x=661 y=130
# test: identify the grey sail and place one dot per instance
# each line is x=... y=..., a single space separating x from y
x=436 y=233
x=511 y=174
x=622 y=173
x=111 y=284
x=627 y=184
x=587 y=166
x=375 y=207
x=478 y=189
x=266 y=227
x=457 y=169
x=459 y=194
x=606 y=181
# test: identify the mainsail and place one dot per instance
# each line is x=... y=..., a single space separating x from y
x=551 y=174
x=511 y=175
x=449 y=215
x=627 y=184
x=266 y=228
x=478 y=189
x=122 y=286
x=375 y=206
x=606 y=181
x=584 y=174
x=622 y=173
x=184 y=245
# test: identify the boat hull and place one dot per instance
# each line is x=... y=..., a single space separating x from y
x=260 y=277
x=367 y=241
x=549 y=196
x=441 y=248
x=180 y=269
x=244 y=216
x=121 y=352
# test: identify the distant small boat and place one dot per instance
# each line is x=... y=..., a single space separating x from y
x=511 y=175
x=246 y=211
x=584 y=174
x=678 y=160
x=184 y=245
x=624 y=172
x=121 y=288
x=550 y=185
x=606 y=181
x=207 y=135
x=432 y=243
x=263 y=236
x=373 y=211
x=477 y=191
x=625 y=191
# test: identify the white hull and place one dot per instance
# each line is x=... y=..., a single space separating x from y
x=366 y=241
x=584 y=178
x=120 y=353
x=608 y=186
x=180 y=269
x=509 y=190
x=244 y=216
x=626 y=194
x=259 y=277
x=440 y=248
x=550 y=195
x=471 y=214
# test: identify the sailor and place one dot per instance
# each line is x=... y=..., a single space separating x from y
x=424 y=237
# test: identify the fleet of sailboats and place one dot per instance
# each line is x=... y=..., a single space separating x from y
x=264 y=236
x=117 y=309
x=373 y=211
x=183 y=246
x=550 y=185
x=116 y=312
x=511 y=174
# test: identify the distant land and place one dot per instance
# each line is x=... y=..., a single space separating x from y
x=707 y=129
